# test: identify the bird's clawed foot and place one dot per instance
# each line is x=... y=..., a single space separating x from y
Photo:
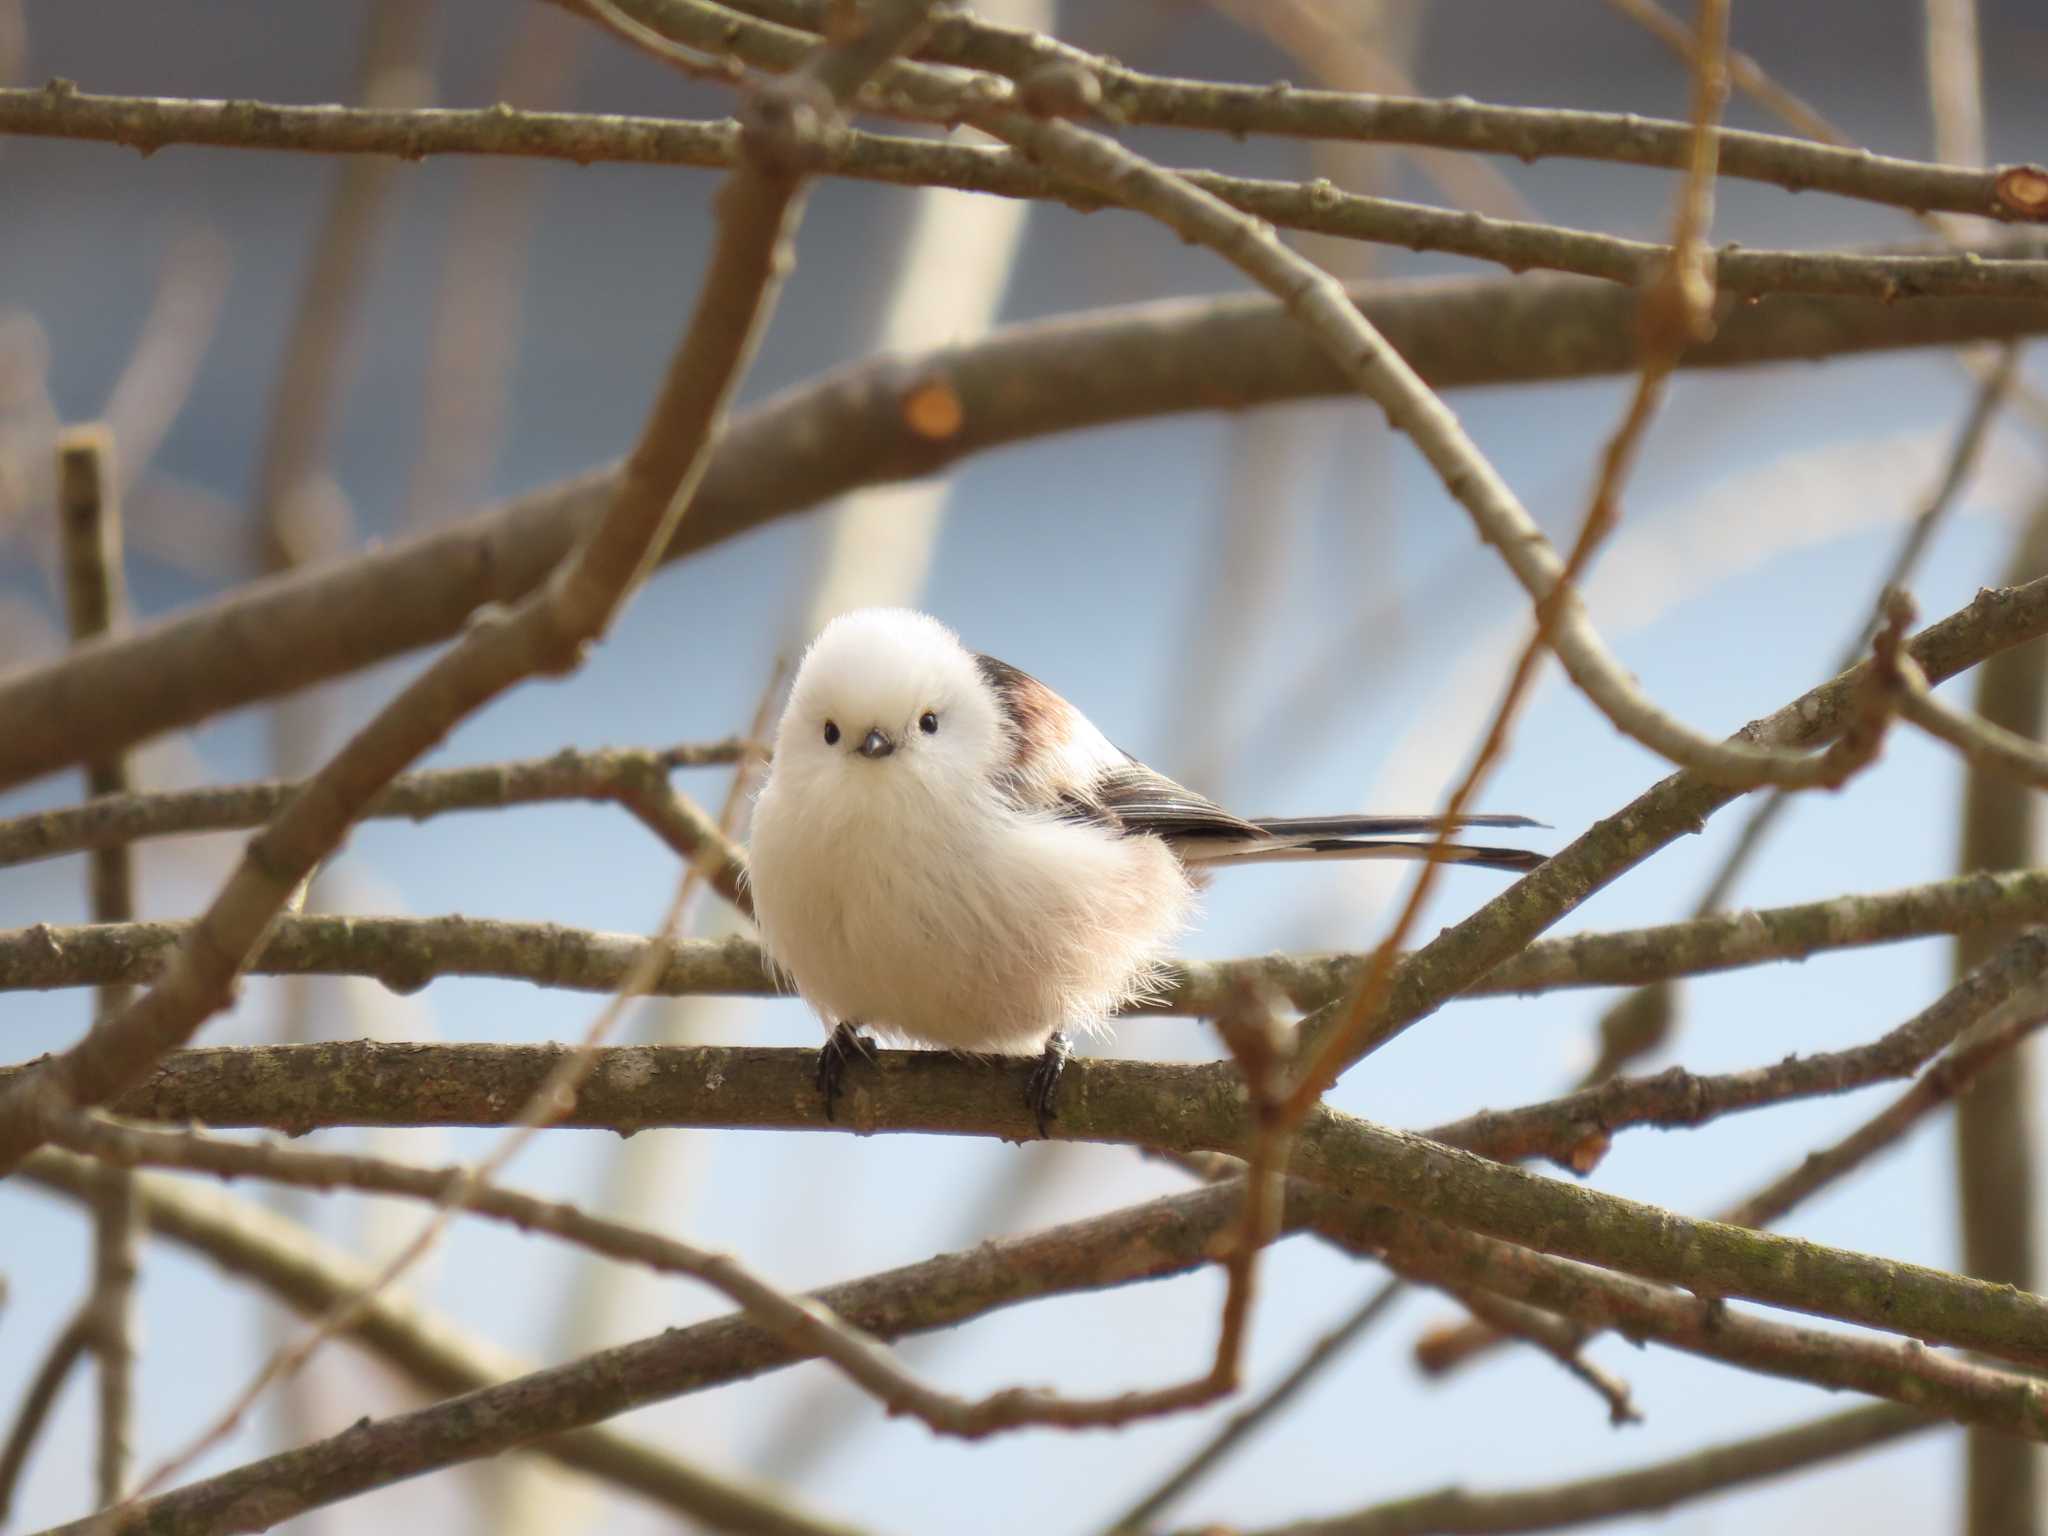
x=845 y=1043
x=1044 y=1081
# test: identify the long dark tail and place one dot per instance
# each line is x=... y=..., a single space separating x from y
x=1362 y=837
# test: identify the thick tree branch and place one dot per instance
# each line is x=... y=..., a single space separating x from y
x=850 y=428
x=1175 y=1108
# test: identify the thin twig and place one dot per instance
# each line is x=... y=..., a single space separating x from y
x=1574 y=1130
x=2008 y=269
x=1715 y=1469
x=1677 y=311
x=1900 y=1369
x=1640 y=1023
x=96 y=603
x=1744 y=73
x=607 y=774
x=1983 y=741
x=73 y=1342
x=472 y=353
x=2028 y=187
x=1937 y=1086
x=806 y=1323
x=1526 y=133
x=1445 y=1349
x=1247 y=1420
x=429 y=1349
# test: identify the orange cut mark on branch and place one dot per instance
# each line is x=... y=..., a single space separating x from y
x=2023 y=189
x=933 y=410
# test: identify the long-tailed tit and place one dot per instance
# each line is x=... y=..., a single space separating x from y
x=947 y=851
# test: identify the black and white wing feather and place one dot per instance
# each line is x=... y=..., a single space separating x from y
x=1061 y=763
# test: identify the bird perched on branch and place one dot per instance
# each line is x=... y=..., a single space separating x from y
x=947 y=851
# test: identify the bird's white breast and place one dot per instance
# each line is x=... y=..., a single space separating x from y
x=963 y=924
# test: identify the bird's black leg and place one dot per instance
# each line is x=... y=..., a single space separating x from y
x=841 y=1046
x=1044 y=1081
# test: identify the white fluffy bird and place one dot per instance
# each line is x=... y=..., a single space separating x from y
x=947 y=851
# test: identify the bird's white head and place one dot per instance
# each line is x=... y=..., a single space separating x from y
x=888 y=702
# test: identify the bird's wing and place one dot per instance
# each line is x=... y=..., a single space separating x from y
x=1062 y=764
x=1139 y=800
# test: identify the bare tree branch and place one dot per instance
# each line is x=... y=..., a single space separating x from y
x=1378 y=371
x=1655 y=1488
x=1162 y=1238
x=2006 y=270
x=1678 y=304
x=1247 y=1420
x=1938 y=1085
x=1526 y=133
x=1445 y=1349
x=546 y=633
x=72 y=1343
x=1994 y=1128
x=406 y=953
x=850 y=428
x=1899 y=1369
x=1575 y=1130
x=1175 y=1108
x=302 y=1269
x=1469 y=949
x=1636 y=1025
x=111 y=821
x=96 y=600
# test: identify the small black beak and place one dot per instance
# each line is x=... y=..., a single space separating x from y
x=875 y=744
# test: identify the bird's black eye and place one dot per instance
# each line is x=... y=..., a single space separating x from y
x=928 y=723
x=831 y=734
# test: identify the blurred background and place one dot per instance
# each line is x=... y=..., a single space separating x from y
x=1283 y=608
